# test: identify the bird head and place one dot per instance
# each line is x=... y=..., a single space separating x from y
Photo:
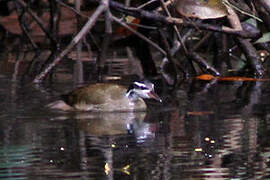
x=142 y=89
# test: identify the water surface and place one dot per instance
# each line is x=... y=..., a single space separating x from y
x=201 y=131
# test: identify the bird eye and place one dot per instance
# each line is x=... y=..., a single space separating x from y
x=143 y=87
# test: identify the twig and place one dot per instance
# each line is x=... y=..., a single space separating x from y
x=171 y=63
x=106 y=41
x=202 y=63
x=108 y=19
x=54 y=19
x=227 y=3
x=142 y=26
x=78 y=67
x=223 y=29
x=25 y=32
x=146 y=4
x=202 y=40
x=71 y=8
x=167 y=3
x=174 y=27
x=18 y=62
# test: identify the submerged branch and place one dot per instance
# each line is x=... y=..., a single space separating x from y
x=90 y=23
x=37 y=19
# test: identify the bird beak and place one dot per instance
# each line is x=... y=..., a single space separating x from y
x=153 y=95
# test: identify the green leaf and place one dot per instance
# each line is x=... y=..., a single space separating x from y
x=252 y=21
x=265 y=38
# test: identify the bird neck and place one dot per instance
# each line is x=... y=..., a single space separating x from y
x=132 y=96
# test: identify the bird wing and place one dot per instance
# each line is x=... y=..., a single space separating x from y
x=95 y=94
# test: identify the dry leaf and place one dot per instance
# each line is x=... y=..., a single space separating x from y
x=202 y=9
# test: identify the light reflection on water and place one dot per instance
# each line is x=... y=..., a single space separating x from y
x=229 y=141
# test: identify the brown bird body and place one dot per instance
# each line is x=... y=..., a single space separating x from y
x=107 y=97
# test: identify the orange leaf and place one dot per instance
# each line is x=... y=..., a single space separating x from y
x=206 y=77
x=125 y=32
x=209 y=77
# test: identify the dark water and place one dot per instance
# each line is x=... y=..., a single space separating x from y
x=201 y=131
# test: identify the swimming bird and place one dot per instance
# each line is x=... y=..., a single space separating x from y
x=108 y=97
